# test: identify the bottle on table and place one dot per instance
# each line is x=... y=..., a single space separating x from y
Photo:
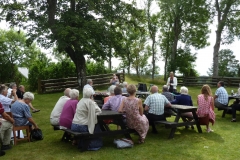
x=232 y=92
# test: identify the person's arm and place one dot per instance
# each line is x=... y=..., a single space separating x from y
x=33 y=123
x=168 y=80
x=147 y=103
x=140 y=107
x=215 y=97
x=7 y=117
x=120 y=109
x=14 y=95
x=146 y=108
x=106 y=105
x=212 y=103
x=168 y=105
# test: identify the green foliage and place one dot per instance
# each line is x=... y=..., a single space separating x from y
x=184 y=22
x=44 y=69
x=228 y=64
x=184 y=62
x=15 y=52
x=94 y=68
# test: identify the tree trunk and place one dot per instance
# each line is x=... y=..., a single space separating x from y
x=153 y=56
x=221 y=17
x=81 y=71
x=215 y=53
x=177 y=31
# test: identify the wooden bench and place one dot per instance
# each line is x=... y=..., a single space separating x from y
x=226 y=109
x=70 y=135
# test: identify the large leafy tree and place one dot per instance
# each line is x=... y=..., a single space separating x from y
x=228 y=64
x=14 y=52
x=228 y=27
x=78 y=27
x=184 y=22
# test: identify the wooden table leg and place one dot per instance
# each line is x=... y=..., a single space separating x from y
x=173 y=130
x=197 y=122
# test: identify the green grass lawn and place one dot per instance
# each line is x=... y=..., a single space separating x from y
x=223 y=143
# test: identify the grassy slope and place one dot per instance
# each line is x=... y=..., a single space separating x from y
x=186 y=144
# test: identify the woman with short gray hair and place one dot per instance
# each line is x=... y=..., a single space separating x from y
x=21 y=111
x=85 y=119
x=69 y=109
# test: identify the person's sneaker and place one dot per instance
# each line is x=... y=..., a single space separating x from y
x=6 y=147
x=2 y=153
x=35 y=110
x=233 y=120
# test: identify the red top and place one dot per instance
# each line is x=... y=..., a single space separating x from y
x=1 y=108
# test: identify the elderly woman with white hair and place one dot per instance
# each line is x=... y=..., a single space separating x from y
x=69 y=110
x=184 y=99
x=85 y=119
x=111 y=93
x=21 y=111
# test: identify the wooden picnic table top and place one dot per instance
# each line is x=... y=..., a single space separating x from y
x=183 y=107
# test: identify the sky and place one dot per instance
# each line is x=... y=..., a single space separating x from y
x=204 y=56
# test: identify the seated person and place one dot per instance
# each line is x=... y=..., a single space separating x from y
x=167 y=94
x=85 y=119
x=221 y=96
x=170 y=98
x=114 y=80
x=89 y=85
x=111 y=92
x=124 y=89
x=69 y=110
x=57 y=110
x=6 y=123
x=155 y=104
x=20 y=92
x=21 y=112
x=11 y=87
x=6 y=102
x=114 y=102
x=133 y=109
x=184 y=99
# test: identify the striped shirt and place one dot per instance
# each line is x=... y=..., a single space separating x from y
x=156 y=103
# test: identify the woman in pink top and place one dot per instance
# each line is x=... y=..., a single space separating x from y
x=206 y=105
x=69 y=109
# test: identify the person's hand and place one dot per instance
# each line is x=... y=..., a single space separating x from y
x=14 y=91
x=36 y=127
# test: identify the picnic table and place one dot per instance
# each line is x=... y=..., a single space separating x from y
x=228 y=108
x=181 y=109
x=106 y=132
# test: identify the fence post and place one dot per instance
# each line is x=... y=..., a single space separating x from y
x=39 y=86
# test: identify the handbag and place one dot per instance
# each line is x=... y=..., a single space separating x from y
x=204 y=120
x=36 y=134
x=123 y=143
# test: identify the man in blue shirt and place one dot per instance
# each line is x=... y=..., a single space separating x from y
x=221 y=96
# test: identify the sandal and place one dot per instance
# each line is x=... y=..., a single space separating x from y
x=209 y=130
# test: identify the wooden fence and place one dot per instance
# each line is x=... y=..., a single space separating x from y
x=57 y=85
x=212 y=81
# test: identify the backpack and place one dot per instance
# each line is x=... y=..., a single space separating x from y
x=36 y=134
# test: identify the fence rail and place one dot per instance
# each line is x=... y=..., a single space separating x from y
x=57 y=85
x=198 y=81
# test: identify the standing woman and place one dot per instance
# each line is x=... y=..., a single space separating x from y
x=172 y=83
x=132 y=106
x=206 y=106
